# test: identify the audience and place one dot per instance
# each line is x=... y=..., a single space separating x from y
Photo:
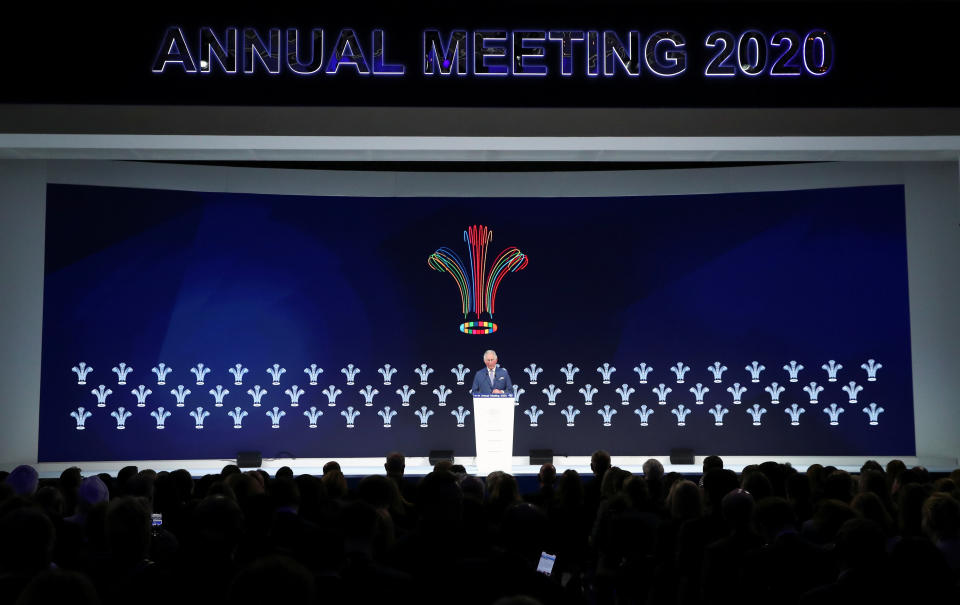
x=771 y=535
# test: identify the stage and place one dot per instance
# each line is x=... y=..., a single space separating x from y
x=226 y=309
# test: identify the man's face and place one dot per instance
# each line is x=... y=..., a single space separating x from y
x=490 y=361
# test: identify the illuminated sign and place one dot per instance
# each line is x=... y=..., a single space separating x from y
x=478 y=285
x=495 y=53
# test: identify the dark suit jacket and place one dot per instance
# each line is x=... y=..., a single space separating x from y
x=501 y=380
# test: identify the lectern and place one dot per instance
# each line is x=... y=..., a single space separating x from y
x=493 y=424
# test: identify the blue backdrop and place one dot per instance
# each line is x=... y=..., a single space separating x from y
x=143 y=277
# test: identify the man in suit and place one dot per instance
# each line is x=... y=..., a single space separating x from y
x=491 y=379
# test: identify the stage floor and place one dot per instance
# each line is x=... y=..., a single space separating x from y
x=419 y=466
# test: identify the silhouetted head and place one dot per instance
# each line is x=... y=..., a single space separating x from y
x=869 y=506
x=873 y=481
x=439 y=499
x=92 y=491
x=829 y=516
x=395 y=465
x=758 y=485
x=124 y=475
x=774 y=515
x=69 y=484
x=547 y=475
x=443 y=466
x=110 y=482
x=917 y=474
x=285 y=493
x=335 y=484
x=612 y=481
x=894 y=468
x=737 y=507
x=945 y=485
x=378 y=491
x=637 y=493
x=24 y=480
x=712 y=462
x=243 y=485
x=570 y=489
x=184 y=482
x=472 y=488
x=838 y=486
x=599 y=462
x=218 y=525
x=218 y=488
x=140 y=487
x=684 y=500
x=776 y=474
x=229 y=469
x=717 y=483
x=653 y=470
x=861 y=544
x=70 y=479
x=941 y=517
x=26 y=541
x=260 y=477
x=312 y=492
x=504 y=490
x=51 y=500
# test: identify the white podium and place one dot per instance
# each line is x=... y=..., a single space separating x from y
x=493 y=424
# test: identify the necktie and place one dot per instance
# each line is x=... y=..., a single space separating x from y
x=491 y=377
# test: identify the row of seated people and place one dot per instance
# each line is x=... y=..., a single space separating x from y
x=769 y=535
